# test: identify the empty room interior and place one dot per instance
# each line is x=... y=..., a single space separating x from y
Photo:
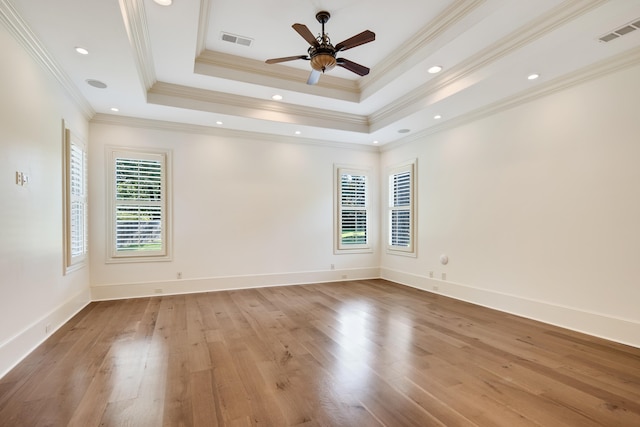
x=320 y=213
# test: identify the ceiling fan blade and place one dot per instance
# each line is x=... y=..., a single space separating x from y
x=360 y=70
x=314 y=77
x=285 y=59
x=362 y=38
x=306 y=34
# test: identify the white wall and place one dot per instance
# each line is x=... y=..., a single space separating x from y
x=34 y=292
x=538 y=209
x=246 y=212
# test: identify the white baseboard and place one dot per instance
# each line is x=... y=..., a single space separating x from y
x=20 y=345
x=209 y=284
x=596 y=324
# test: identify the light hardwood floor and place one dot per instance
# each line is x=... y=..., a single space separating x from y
x=360 y=353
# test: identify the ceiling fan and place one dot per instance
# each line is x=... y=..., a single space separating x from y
x=322 y=53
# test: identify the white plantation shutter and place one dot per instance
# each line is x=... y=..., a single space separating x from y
x=75 y=209
x=139 y=205
x=78 y=199
x=401 y=209
x=353 y=210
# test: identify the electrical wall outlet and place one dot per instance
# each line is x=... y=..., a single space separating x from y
x=444 y=276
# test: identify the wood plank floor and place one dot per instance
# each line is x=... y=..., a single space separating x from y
x=360 y=353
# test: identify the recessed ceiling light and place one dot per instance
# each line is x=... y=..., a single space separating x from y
x=164 y=2
x=96 y=83
x=437 y=117
x=298 y=132
x=533 y=76
x=277 y=97
x=435 y=69
x=114 y=109
x=218 y=122
x=376 y=142
x=404 y=130
x=82 y=51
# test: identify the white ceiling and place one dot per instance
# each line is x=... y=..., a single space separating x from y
x=170 y=64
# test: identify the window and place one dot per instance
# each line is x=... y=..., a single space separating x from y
x=352 y=211
x=139 y=208
x=401 y=210
x=75 y=207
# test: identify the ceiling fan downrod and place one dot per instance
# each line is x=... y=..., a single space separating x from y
x=323 y=17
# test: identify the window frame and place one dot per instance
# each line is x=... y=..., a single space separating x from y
x=75 y=195
x=122 y=256
x=339 y=246
x=411 y=168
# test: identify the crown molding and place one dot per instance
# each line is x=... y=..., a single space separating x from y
x=203 y=26
x=12 y=20
x=108 y=119
x=603 y=68
x=418 y=48
x=135 y=22
x=219 y=102
x=537 y=28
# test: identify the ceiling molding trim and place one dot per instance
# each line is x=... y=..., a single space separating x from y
x=537 y=28
x=603 y=68
x=109 y=119
x=406 y=56
x=203 y=26
x=12 y=20
x=135 y=22
x=205 y=100
x=224 y=65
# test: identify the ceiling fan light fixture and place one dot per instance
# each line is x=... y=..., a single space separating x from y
x=323 y=62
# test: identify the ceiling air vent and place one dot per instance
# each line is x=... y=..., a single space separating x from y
x=231 y=38
x=625 y=29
